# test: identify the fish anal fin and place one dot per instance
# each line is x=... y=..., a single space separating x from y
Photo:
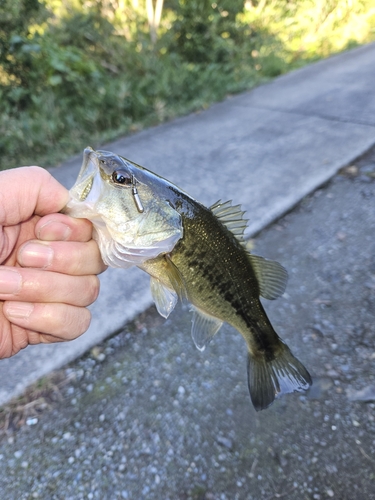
x=203 y=328
x=272 y=276
x=165 y=299
x=270 y=379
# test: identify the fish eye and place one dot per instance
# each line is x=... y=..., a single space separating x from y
x=121 y=177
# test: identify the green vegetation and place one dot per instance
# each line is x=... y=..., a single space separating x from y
x=79 y=72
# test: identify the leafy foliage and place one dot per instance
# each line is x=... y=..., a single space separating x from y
x=78 y=72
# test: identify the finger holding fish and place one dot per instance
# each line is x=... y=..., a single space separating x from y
x=73 y=258
x=60 y=227
x=25 y=284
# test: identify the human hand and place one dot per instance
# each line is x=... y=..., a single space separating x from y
x=48 y=263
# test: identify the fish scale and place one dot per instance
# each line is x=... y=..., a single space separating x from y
x=218 y=268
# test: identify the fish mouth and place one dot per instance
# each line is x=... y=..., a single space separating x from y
x=87 y=190
x=87 y=186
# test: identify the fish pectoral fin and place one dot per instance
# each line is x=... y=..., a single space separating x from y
x=270 y=379
x=165 y=299
x=203 y=328
x=175 y=278
x=272 y=277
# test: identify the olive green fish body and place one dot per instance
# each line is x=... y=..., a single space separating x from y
x=191 y=252
x=218 y=276
x=219 y=280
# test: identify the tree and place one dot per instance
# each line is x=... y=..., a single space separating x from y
x=154 y=16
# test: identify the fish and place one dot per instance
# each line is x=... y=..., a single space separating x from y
x=193 y=253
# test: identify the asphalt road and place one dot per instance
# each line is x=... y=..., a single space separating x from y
x=145 y=415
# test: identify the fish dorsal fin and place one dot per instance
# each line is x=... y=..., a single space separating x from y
x=203 y=328
x=272 y=276
x=231 y=216
x=165 y=299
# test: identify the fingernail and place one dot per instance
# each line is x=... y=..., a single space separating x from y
x=10 y=281
x=35 y=255
x=18 y=310
x=54 y=231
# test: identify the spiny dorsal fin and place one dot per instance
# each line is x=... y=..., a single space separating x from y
x=272 y=276
x=203 y=328
x=231 y=216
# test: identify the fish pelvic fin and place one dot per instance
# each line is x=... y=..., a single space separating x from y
x=270 y=379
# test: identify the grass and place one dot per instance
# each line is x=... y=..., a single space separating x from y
x=35 y=401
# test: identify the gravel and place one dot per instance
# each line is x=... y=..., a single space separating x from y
x=147 y=416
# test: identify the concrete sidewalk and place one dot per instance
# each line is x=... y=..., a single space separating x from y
x=265 y=149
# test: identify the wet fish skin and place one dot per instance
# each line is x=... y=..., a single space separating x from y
x=201 y=259
x=220 y=281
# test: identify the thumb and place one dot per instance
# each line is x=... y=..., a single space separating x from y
x=26 y=191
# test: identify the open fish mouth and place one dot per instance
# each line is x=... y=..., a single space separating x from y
x=130 y=228
x=87 y=190
x=83 y=188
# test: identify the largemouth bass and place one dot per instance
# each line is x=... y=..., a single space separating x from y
x=191 y=252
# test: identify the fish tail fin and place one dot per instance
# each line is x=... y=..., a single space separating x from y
x=269 y=379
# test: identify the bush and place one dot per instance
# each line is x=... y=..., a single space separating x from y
x=82 y=72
